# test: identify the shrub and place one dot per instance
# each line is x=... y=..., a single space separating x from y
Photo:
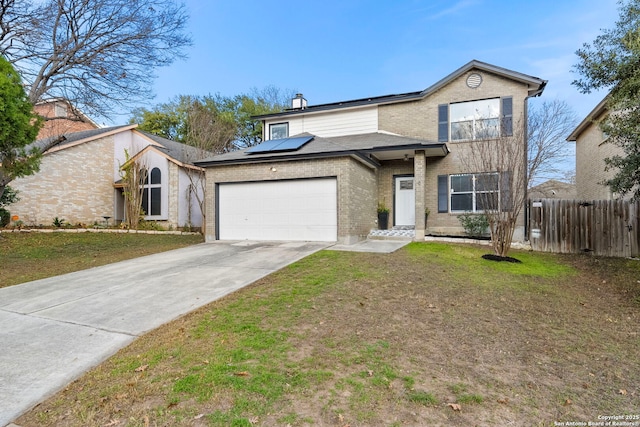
x=5 y=217
x=475 y=225
x=58 y=222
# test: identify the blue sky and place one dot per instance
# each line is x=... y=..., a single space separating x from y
x=348 y=49
x=336 y=50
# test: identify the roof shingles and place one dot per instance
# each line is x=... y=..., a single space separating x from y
x=183 y=153
x=327 y=147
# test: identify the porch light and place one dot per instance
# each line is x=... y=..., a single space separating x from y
x=406 y=157
x=273 y=169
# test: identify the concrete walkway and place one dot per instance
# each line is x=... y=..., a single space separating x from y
x=374 y=246
x=53 y=330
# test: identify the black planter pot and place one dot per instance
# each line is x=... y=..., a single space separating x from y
x=383 y=220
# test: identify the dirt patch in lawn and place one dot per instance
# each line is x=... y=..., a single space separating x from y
x=430 y=335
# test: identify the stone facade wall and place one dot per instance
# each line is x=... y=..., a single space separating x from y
x=356 y=189
x=591 y=150
x=75 y=184
x=174 y=195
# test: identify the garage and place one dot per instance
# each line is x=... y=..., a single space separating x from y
x=301 y=209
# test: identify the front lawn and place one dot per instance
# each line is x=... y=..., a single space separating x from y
x=31 y=256
x=430 y=335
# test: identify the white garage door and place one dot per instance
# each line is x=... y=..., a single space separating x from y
x=303 y=209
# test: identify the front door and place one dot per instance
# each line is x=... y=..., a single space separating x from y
x=405 y=201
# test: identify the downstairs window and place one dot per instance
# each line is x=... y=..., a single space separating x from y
x=474 y=192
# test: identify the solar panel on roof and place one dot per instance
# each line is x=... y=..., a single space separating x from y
x=293 y=143
x=284 y=144
x=265 y=146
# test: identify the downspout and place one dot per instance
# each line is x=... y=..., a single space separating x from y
x=526 y=156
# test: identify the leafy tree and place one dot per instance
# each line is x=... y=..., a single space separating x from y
x=18 y=128
x=197 y=121
x=165 y=120
x=8 y=197
x=258 y=102
x=98 y=54
x=214 y=123
x=612 y=62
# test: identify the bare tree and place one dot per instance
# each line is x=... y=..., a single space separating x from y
x=134 y=175
x=505 y=162
x=210 y=132
x=547 y=130
x=499 y=166
x=98 y=54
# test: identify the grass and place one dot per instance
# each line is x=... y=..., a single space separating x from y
x=32 y=256
x=367 y=339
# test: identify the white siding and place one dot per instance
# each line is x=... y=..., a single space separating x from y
x=333 y=123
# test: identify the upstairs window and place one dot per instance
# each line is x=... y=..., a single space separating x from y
x=279 y=130
x=473 y=120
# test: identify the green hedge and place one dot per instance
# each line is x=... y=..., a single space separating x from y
x=5 y=217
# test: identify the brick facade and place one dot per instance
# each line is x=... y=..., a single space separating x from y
x=80 y=192
x=59 y=120
x=361 y=188
x=356 y=186
x=591 y=150
x=419 y=119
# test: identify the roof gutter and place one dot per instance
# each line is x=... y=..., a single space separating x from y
x=364 y=155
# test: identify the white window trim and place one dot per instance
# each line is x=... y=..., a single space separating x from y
x=474 y=120
x=474 y=192
x=271 y=126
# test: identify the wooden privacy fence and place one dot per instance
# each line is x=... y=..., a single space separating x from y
x=604 y=227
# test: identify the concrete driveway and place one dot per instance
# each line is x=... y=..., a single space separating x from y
x=53 y=330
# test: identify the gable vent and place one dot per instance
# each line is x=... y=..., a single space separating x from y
x=474 y=80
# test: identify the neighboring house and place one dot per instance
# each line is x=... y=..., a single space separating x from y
x=80 y=180
x=324 y=169
x=553 y=189
x=592 y=147
x=61 y=118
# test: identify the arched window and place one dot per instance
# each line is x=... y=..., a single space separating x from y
x=152 y=193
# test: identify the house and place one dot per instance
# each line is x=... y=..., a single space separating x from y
x=61 y=118
x=323 y=170
x=592 y=148
x=553 y=189
x=80 y=179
